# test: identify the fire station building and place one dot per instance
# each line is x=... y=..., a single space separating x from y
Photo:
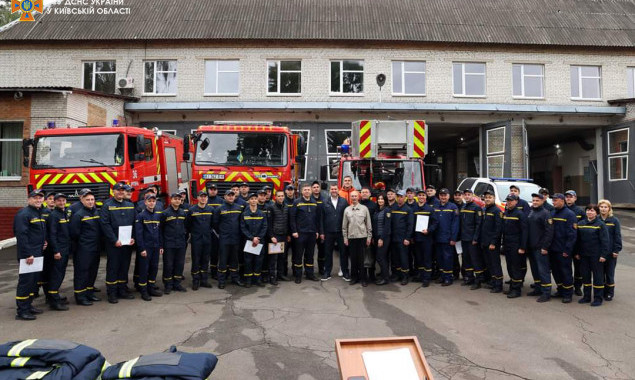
x=526 y=89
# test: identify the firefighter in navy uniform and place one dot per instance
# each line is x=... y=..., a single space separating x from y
x=522 y=205
x=515 y=234
x=570 y=198
x=289 y=198
x=278 y=233
x=264 y=206
x=447 y=234
x=306 y=226
x=199 y=225
x=253 y=225
x=402 y=224
x=29 y=229
x=615 y=245
x=562 y=246
x=185 y=205
x=424 y=240
x=540 y=226
x=47 y=207
x=227 y=223
x=150 y=246
x=545 y=193
x=141 y=203
x=316 y=194
x=175 y=236
x=471 y=215
x=214 y=201
x=117 y=212
x=86 y=230
x=59 y=240
x=490 y=240
x=593 y=249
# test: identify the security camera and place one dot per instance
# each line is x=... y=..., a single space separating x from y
x=18 y=95
x=381 y=79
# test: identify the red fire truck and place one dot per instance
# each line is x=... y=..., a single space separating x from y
x=66 y=160
x=230 y=154
x=383 y=155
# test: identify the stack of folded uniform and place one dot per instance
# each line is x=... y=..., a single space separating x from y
x=49 y=359
x=171 y=365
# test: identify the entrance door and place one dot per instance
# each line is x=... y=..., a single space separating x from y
x=496 y=149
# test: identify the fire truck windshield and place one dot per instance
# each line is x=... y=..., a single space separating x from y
x=73 y=151
x=384 y=174
x=237 y=149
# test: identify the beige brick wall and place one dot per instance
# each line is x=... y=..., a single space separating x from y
x=64 y=68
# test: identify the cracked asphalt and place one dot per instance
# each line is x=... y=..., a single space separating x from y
x=288 y=332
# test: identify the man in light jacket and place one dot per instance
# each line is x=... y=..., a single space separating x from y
x=357 y=231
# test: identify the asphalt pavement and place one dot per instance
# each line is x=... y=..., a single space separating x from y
x=289 y=331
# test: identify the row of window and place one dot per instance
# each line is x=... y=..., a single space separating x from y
x=222 y=77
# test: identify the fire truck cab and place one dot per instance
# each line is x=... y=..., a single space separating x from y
x=229 y=154
x=383 y=155
x=67 y=160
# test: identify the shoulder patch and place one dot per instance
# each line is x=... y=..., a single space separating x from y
x=550 y=221
x=387 y=215
x=575 y=226
x=500 y=214
x=480 y=213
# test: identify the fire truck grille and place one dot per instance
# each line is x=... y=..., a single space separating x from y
x=71 y=190
x=253 y=186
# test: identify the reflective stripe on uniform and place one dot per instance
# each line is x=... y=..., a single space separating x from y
x=19 y=362
x=15 y=350
x=126 y=368
x=38 y=375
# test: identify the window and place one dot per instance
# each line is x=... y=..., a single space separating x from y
x=100 y=76
x=284 y=77
x=468 y=79
x=334 y=138
x=160 y=78
x=481 y=187
x=528 y=80
x=347 y=77
x=302 y=159
x=10 y=151
x=495 y=145
x=630 y=74
x=408 y=78
x=148 y=152
x=170 y=131
x=222 y=77
x=618 y=154
x=586 y=82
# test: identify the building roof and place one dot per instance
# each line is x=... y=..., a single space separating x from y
x=67 y=90
x=597 y=23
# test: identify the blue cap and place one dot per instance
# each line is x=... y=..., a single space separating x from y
x=511 y=197
x=119 y=186
x=36 y=193
x=538 y=195
x=570 y=192
x=558 y=196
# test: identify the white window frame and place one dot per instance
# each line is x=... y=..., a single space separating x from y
x=221 y=71
x=306 y=154
x=488 y=153
x=403 y=78
x=330 y=155
x=522 y=80
x=494 y=156
x=170 y=131
x=278 y=61
x=154 y=81
x=632 y=70
x=579 y=72
x=15 y=177
x=619 y=155
x=462 y=95
x=341 y=91
x=94 y=64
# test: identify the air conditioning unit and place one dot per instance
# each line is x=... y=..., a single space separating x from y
x=125 y=82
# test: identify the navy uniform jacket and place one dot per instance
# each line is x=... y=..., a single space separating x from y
x=332 y=217
x=615 y=234
x=227 y=223
x=564 y=231
x=434 y=202
x=86 y=229
x=433 y=223
x=320 y=204
x=523 y=206
x=215 y=201
x=548 y=206
x=372 y=209
x=305 y=216
x=593 y=238
x=238 y=201
x=253 y=224
x=471 y=215
x=29 y=228
x=114 y=214
x=402 y=223
x=199 y=223
x=540 y=228
x=265 y=208
x=75 y=207
x=515 y=231
x=148 y=230
x=491 y=226
x=173 y=228
x=412 y=205
x=383 y=219
x=448 y=217
x=185 y=207
x=59 y=231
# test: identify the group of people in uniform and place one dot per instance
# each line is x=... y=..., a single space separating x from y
x=246 y=238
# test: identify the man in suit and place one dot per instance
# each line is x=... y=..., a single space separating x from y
x=333 y=211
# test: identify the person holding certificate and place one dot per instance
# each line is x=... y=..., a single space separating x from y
x=253 y=224
x=279 y=235
x=425 y=226
x=30 y=231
